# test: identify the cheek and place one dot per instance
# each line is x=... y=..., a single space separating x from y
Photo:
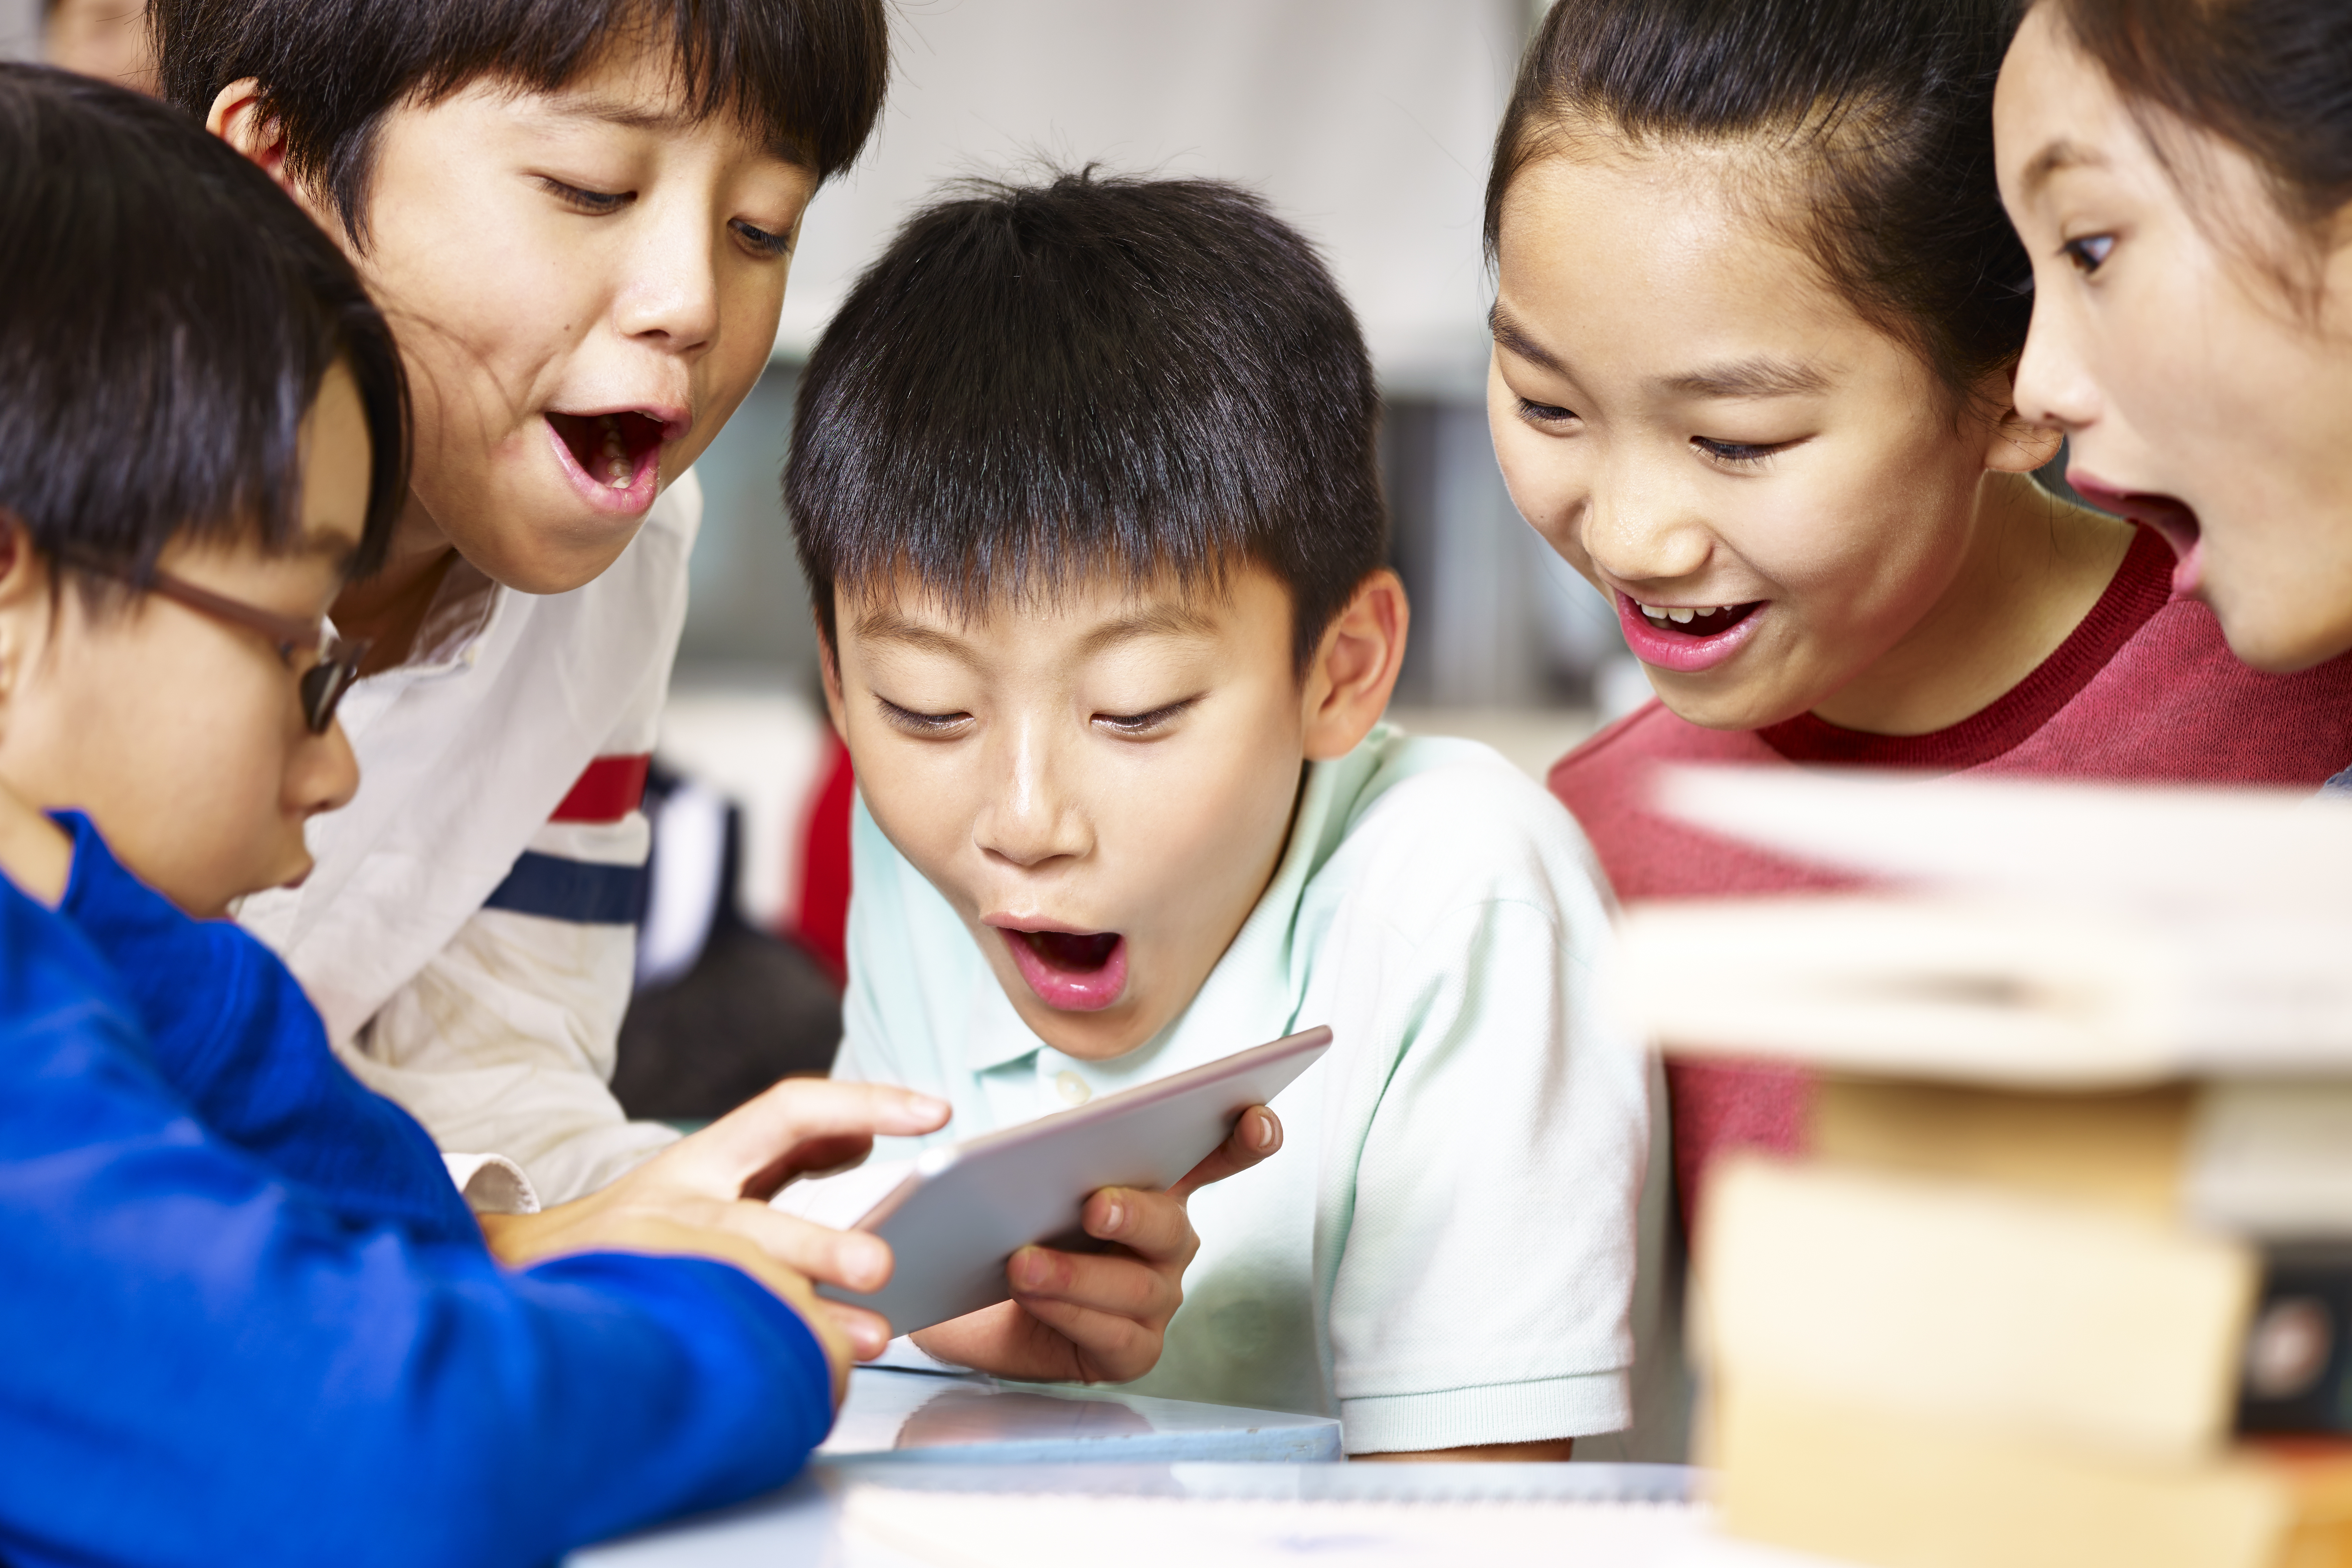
x=1865 y=542
x=483 y=296
x=923 y=798
x=180 y=756
x=1197 y=829
x=1545 y=478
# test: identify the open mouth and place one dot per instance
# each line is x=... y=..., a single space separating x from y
x=618 y=451
x=2170 y=516
x=1685 y=638
x=1077 y=972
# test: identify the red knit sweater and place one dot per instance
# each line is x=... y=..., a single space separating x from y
x=2144 y=689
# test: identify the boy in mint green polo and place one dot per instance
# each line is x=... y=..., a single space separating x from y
x=1083 y=481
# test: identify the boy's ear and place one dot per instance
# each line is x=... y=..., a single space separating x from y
x=2015 y=446
x=1348 y=686
x=240 y=116
x=828 y=669
x=24 y=594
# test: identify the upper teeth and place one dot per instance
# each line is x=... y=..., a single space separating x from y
x=1678 y=614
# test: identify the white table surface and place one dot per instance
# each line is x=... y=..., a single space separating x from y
x=1639 y=1516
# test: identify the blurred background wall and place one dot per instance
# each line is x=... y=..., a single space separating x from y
x=20 y=29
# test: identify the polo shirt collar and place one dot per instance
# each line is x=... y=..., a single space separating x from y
x=998 y=1037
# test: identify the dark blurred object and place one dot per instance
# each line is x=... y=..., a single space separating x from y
x=722 y=1009
x=2298 y=1369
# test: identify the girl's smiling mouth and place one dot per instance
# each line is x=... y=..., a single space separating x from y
x=1076 y=972
x=1686 y=637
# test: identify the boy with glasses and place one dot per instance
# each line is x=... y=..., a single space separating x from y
x=250 y=1320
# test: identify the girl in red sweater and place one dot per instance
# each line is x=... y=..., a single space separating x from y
x=2182 y=174
x=1757 y=319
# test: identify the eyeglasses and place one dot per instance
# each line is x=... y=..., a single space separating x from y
x=322 y=685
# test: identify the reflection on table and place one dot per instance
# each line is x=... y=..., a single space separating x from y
x=911 y=1416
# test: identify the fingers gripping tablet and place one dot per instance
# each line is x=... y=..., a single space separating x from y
x=968 y=1208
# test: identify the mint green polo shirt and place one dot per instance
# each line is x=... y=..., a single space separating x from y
x=1442 y=1253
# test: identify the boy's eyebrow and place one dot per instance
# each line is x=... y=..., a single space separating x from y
x=1514 y=337
x=1160 y=620
x=883 y=624
x=1761 y=376
x=660 y=122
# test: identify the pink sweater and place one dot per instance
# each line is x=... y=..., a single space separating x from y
x=2144 y=689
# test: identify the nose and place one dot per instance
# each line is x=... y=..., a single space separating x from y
x=1030 y=818
x=324 y=773
x=669 y=298
x=2054 y=387
x=1638 y=528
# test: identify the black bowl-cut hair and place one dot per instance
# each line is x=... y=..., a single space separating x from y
x=1036 y=385
x=166 y=317
x=806 y=76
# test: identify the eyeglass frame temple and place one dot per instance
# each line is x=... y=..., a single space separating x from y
x=290 y=634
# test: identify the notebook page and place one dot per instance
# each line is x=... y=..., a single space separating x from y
x=986 y=1530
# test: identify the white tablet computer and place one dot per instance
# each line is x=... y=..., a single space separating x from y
x=969 y=1206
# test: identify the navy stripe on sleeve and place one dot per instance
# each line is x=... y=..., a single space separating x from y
x=580 y=891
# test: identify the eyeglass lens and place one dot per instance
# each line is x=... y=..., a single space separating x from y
x=324 y=683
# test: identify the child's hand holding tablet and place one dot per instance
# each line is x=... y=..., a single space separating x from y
x=1047 y=1313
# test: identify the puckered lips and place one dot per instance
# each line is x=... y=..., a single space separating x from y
x=614 y=458
x=1076 y=972
x=2168 y=515
x=1686 y=637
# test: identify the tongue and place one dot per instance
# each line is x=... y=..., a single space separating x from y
x=1072 y=952
x=607 y=447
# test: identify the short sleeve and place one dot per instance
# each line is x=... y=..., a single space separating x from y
x=1485 y=1281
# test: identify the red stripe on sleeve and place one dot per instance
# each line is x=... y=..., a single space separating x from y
x=609 y=789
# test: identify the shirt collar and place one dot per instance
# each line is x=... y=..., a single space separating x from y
x=998 y=1037
x=463 y=607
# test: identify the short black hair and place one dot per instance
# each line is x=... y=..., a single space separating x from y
x=1882 y=110
x=807 y=74
x=166 y=317
x=1038 y=383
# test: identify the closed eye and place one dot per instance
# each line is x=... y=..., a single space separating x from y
x=596 y=203
x=760 y=240
x=1145 y=726
x=1739 y=454
x=928 y=726
x=1536 y=413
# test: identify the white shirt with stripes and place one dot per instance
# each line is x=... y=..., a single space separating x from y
x=468 y=933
